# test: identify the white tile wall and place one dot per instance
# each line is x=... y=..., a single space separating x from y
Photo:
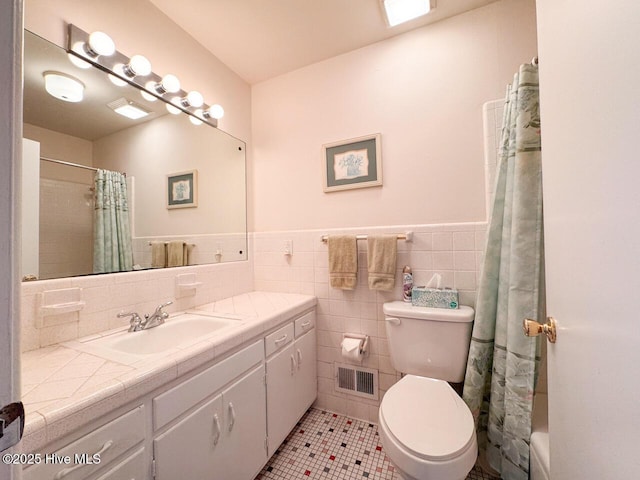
x=232 y=248
x=65 y=251
x=492 y=122
x=107 y=295
x=453 y=250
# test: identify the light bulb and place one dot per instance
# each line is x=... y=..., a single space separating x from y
x=193 y=99
x=77 y=61
x=168 y=84
x=195 y=120
x=172 y=108
x=146 y=95
x=117 y=81
x=138 y=65
x=216 y=111
x=100 y=44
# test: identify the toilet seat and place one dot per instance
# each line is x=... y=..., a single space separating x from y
x=427 y=429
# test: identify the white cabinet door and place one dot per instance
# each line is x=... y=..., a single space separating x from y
x=306 y=380
x=192 y=448
x=132 y=468
x=222 y=440
x=281 y=402
x=245 y=428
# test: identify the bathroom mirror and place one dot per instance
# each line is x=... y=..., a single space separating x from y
x=65 y=142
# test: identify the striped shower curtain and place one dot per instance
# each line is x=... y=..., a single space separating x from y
x=111 y=232
x=502 y=364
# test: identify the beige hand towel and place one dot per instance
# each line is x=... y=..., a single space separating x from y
x=381 y=260
x=175 y=254
x=158 y=255
x=187 y=251
x=343 y=261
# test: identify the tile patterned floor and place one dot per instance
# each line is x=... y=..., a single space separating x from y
x=325 y=445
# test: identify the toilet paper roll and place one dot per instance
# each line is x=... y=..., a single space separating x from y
x=351 y=349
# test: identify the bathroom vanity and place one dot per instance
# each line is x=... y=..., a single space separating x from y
x=217 y=408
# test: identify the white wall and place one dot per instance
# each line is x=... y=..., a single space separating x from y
x=60 y=146
x=171 y=144
x=423 y=91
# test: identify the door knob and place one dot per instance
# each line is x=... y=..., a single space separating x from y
x=533 y=329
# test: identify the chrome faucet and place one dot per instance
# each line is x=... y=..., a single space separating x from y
x=135 y=323
x=156 y=318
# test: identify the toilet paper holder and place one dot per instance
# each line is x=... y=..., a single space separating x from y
x=363 y=344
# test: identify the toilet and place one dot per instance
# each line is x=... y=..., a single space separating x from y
x=426 y=429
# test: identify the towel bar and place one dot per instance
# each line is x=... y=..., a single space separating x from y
x=408 y=236
x=167 y=243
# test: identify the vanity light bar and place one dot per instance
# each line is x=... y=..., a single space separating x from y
x=120 y=66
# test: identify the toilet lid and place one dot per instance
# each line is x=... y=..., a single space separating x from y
x=428 y=418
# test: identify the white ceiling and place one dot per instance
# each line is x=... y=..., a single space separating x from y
x=260 y=39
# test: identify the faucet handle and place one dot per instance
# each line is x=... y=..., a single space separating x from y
x=135 y=322
x=160 y=307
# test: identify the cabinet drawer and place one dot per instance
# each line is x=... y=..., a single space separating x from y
x=305 y=323
x=109 y=441
x=278 y=339
x=178 y=400
x=132 y=468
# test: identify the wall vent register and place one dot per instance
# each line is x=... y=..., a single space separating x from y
x=359 y=381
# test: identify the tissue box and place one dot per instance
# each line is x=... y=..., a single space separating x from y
x=434 y=297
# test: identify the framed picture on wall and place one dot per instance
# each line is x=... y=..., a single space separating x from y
x=182 y=189
x=354 y=163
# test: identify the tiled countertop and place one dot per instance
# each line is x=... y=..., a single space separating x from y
x=64 y=388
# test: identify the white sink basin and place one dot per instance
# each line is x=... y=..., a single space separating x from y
x=178 y=331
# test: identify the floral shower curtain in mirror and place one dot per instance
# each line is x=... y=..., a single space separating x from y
x=111 y=232
x=502 y=364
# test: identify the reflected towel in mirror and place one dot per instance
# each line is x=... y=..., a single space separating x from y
x=158 y=255
x=176 y=254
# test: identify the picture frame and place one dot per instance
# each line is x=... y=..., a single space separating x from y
x=353 y=163
x=182 y=190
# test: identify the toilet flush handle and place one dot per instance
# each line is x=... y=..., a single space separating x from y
x=393 y=320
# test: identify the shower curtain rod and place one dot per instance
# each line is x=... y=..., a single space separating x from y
x=70 y=164
x=62 y=162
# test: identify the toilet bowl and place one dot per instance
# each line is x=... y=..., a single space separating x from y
x=427 y=430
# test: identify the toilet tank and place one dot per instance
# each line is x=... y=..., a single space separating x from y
x=429 y=342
